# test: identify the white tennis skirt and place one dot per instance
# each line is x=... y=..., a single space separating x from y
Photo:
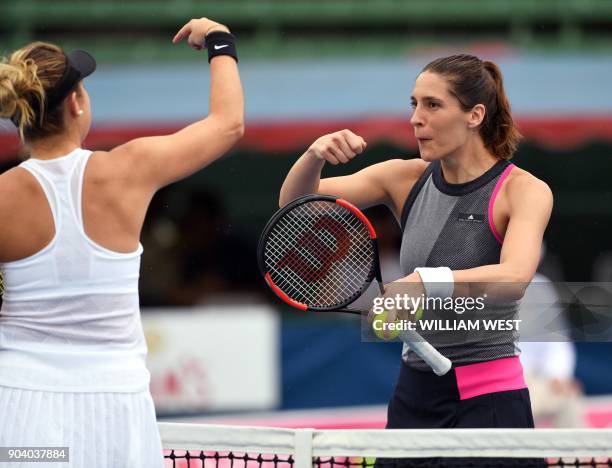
x=102 y=430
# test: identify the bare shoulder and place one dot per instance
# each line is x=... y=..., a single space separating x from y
x=16 y=186
x=523 y=188
x=14 y=182
x=407 y=167
x=104 y=159
x=108 y=166
x=8 y=178
x=400 y=169
x=519 y=181
x=398 y=176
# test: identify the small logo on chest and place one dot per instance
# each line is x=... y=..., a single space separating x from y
x=470 y=218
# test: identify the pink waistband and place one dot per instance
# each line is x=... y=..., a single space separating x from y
x=499 y=375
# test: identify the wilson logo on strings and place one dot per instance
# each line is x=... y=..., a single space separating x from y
x=312 y=246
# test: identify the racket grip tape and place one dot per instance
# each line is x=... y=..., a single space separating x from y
x=439 y=363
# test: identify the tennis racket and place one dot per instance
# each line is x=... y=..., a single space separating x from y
x=320 y=253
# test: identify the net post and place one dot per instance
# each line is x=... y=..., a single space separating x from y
x=303 y=448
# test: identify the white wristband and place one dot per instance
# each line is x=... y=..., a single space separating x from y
x=438 y=282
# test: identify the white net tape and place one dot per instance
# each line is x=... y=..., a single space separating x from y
x=306 y=444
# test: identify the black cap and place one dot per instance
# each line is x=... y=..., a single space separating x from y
x=79 y=64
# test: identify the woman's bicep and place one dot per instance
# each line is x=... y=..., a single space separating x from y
x=160 y=160
x=531 y=207
x=363 y=189
x=385 y=183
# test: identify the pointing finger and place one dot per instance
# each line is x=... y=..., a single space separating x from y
x=182 y=33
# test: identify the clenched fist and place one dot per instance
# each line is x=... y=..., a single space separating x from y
x=338 y=147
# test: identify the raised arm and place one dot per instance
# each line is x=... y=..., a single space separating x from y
x=370 y=186
x=161 y=160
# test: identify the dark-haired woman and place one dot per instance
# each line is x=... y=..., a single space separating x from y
x=468 y=216
x=72 y=349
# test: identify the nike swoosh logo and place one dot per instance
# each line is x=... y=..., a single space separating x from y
x=217 y=47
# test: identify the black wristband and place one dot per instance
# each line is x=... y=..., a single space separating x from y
x=220 y=43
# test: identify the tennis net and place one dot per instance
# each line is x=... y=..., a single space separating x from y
x=208 y=446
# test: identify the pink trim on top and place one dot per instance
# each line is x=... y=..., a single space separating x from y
x=498 y=185
x=499 y=375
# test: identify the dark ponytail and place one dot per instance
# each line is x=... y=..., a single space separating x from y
x=500 y=130
x=472 y=82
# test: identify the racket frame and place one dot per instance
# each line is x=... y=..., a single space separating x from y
x=439 y=363
x=374 y=273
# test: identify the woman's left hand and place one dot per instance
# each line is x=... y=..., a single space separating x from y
x=406 y=294
x=196 y=31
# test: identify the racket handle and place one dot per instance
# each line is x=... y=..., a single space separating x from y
x=439 y=363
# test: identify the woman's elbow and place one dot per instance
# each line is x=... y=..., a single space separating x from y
x=239 y=128
x=231 y=133
x=236 y=129
x=518 y=281
x=282 y=199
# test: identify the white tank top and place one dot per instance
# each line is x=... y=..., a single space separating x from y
x=70 y=318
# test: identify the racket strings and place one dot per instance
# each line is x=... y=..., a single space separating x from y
x=327 y=290
x=308 y=247
x=320 y=254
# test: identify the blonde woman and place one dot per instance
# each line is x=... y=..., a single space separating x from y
x=72 y=350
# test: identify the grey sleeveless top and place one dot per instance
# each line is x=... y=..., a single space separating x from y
x=449 y=225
